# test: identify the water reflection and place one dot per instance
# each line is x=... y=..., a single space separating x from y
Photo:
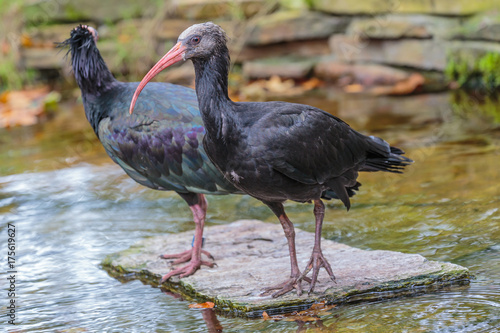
x=73 y=207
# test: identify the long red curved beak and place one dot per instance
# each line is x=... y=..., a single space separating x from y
x=174 y=55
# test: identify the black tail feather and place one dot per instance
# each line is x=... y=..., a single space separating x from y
x=383 y=157
x=350 y=191
x=396 y=150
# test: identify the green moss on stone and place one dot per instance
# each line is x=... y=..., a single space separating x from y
x=475 y=72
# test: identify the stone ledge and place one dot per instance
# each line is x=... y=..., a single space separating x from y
x=427 y=54
x=370 y=7
x=251 y=255
x=285 y=67
x=287 y=26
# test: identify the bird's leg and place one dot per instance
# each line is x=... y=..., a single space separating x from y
x=198 y=237
x=199 y=211
x=317 y=259
x=198 y=206
x=294 y=282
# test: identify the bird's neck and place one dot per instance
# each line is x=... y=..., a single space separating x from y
x=91 y=72
x=211 y=89
x=93 y=78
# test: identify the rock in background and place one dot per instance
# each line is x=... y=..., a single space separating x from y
x=401 y=46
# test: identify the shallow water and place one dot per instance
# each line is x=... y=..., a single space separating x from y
x=71 y=206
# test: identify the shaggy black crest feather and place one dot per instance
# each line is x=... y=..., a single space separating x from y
x=91 y=73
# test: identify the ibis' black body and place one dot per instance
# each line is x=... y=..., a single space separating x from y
x=159 y=146
x=277 y=151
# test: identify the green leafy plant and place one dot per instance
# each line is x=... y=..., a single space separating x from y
x=473 y=73
x=489 y=67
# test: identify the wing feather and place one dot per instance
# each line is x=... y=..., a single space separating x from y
x=159 y=144
x=308 y=144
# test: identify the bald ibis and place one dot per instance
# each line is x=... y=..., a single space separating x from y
x=158 y=146
x=276 y=151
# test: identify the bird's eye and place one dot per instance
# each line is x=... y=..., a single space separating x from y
x=195 y=40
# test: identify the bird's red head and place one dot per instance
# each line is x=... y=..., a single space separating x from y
x=173 y=56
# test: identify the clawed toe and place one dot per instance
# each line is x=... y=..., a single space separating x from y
x=207 y=254
x=285 y=287
x=184 y=256
x=305 y=278
x=194 y=264
x=187 y=270
x=316 y=262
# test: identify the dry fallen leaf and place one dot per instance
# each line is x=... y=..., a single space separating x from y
x=311 y=314
x=312 y=83
x=404 y=87
x=206 y=305
x=265 y=315
x=26 y=41
x=353 y=88
x=277 y=86
x=316 y=309
x=22 y=107
x=318 y=306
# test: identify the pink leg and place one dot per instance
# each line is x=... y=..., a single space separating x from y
x=294 y=282
x=192 y=255
x=317 y=259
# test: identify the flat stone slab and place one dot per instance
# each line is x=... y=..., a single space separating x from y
x=252 y=255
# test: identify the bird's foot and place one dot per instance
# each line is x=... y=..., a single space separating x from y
x=315 y=263
x=289 y=285
x=187 y=270
x=184 y=256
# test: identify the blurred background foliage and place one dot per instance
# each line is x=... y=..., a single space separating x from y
x=278 y=47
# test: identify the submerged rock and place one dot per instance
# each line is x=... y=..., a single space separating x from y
x=252 y=255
